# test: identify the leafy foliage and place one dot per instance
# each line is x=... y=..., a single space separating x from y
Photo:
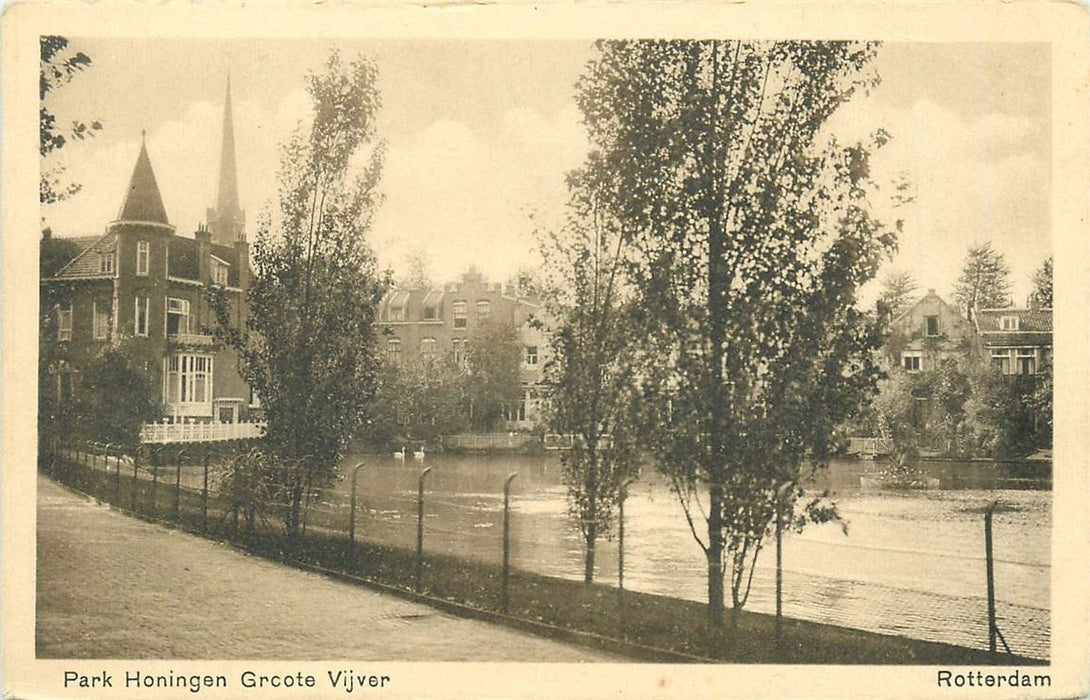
x=58 y=66
x=493 y=357
x=309 y=348
x=418 y=401
x=984 y=282
x=115 y=396
x=750 y=233
x=592 y=367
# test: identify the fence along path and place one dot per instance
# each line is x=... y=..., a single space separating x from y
x=471 y=527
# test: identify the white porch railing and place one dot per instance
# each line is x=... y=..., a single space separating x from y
x=158 y=433
x=191 y=339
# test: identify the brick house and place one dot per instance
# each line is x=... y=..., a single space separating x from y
x=1014 y=341
x=143 y=283
x=440 y=322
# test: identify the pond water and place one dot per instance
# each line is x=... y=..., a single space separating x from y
x=911 y=563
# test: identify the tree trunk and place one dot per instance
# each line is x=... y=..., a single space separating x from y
x=715 y=558
x=588 y=561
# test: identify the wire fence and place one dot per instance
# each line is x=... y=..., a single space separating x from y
x=184 y=485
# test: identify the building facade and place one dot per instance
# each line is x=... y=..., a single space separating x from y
x=1015 y=341
x=439 y=323
x=142 y=283
x=927 y=333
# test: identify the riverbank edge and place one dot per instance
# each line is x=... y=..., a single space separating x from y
x=644 y=627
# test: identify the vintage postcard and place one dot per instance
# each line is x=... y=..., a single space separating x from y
x=571 y=350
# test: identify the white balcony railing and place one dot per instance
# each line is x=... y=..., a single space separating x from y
x=159 y=433
x=191 y=339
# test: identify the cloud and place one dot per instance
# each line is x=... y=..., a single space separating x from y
x=977 y=178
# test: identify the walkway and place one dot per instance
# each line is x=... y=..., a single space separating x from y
x=110 y=586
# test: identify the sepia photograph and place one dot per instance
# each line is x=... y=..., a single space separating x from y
x=642 y=357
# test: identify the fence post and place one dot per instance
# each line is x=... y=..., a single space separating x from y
x=177 y=489
x=420 y=528
x=94 y=455
x=117 y=480
x=507 y=538
x=135 y=466
x=154 y=478
x=991 y=580
x=352 y=510
x=204 y=494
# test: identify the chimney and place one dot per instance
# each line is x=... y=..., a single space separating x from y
x=204 y=253
x=242 y=256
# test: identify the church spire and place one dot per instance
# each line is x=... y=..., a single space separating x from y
x=226 y=218
x=142 y=200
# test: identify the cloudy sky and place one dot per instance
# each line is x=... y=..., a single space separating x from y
x=481 y=133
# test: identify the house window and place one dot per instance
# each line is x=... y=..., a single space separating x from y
x=64 y=323
x=142 y=253
x=141 y=322
x=932 y=323
x=393 y=350
x=101 y=315
x=106 y=263
x=188 y=379
x=397 y=313
x=1027 y=361
x=459 y=351
x=428 y=348
x=431 y=312
x=531 y=355
x=912 y=360
x=1009 y=323
x=1001 y=360
x=484 y=308
x=177 y=316
x=461 y=311
x=219 y=274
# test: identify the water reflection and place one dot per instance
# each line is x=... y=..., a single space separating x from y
x=912 y=562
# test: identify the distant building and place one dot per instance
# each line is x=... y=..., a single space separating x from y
x=1015 y=341
x=141 y=282
x=440 y=322
x=927 y=333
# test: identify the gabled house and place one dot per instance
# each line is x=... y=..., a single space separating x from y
x=927 y=333
x=143 y=283
x=1015 y=341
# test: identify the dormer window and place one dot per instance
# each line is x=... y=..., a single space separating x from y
x=106 y=263
x=396 y=309
x=1009 y=323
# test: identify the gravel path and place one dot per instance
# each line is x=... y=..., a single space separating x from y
x=110 y=586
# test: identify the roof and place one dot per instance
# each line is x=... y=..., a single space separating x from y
x=142 y=199
x=1029 y=320
x=86 y=263
x=184 y=263
x=1008 y=340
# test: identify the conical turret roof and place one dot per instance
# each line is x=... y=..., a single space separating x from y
x=142 y=200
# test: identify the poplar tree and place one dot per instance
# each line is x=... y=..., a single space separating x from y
x=984 y=282
x=749 y=233
x=310 y=346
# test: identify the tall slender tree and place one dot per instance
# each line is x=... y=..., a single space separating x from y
x=984 y=282
x=749 y=234
x=592 y=367
x=898 y=289
x=1042 y=284
x=309 y=348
